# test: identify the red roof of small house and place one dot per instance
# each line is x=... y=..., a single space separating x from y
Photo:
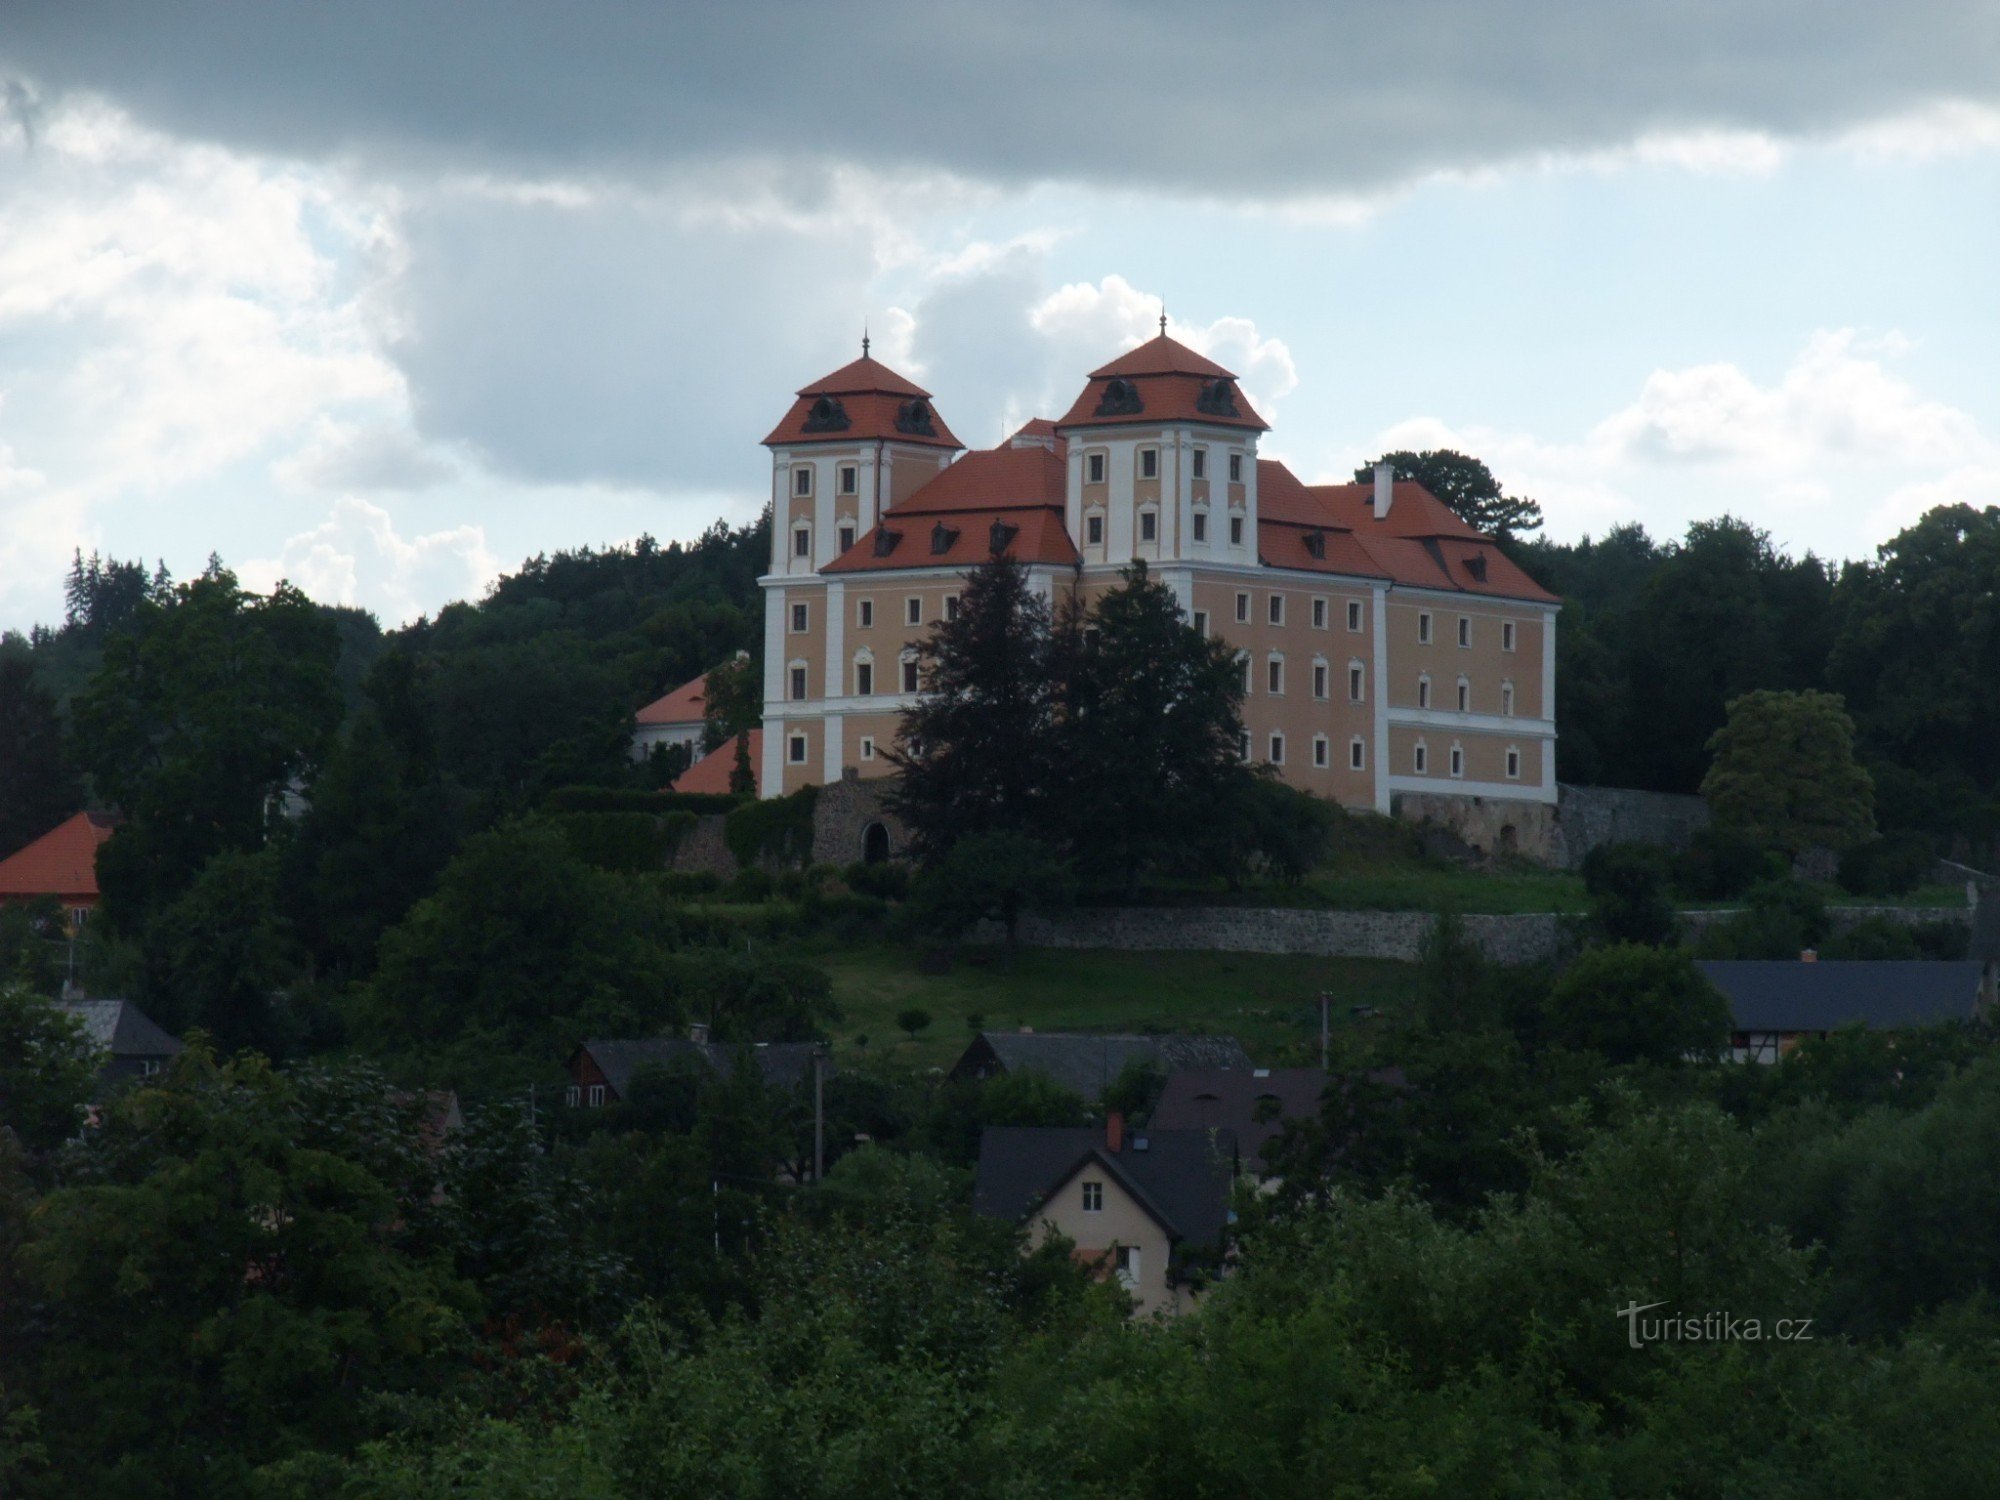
x=865 y=400
x=686 y=704
x=711 y=772
x=61 y=863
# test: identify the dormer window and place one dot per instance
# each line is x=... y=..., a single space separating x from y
x=826 y=415
x=886 y=540
x=1002 y=533
x=1120 y=399
x=1316 y=544
x=1217 y=398
x=942 y=539
x=914 y=417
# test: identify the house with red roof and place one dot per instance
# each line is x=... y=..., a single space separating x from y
x=60 y=865
x=1389 y=650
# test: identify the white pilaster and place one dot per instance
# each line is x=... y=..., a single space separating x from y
x=1378 y=694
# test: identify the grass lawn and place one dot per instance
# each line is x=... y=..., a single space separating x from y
x=1424 y=887
x=1268 y=1002
x=1922 y=896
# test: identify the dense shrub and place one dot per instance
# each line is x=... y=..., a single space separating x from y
x=1891 y=866
x=1720 y=864
x=1782 y=918
x=630 y=842
x=776 y=830
x=688 y=885
x=607 y=799
x=889 y=881
x=1628 y=893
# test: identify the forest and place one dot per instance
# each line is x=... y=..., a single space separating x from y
x=357 y=868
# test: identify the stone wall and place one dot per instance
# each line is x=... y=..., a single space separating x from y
x=704 y=849
x=1352 y=934
x=843 y=814
x=1591 y=815
x=1488 y=825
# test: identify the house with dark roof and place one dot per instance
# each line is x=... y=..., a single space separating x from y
x=1777 y=1003
x=1087 y=1063
x=1389 y=649
x=1253 y=1104
x=1148 y=1207
x=133 y=1046
x=61 y=865
x=601 y=1070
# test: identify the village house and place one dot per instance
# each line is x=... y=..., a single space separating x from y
x=60 y=866
x=1147 y=1207
x=677 y=718
x=1087 y=1064
x=1387 y=648
x=132 y=1045
x=1252 y=1104
x=1775 y=1004
x=601 y=1070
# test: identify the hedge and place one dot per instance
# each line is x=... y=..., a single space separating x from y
x=779 y=829
x=611 y=799
x=630 y=842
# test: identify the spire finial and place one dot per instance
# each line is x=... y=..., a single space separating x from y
x=1163 y=317
x=864 y=340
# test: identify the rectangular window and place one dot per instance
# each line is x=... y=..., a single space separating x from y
x=1319 y=679
x=1464 y=698
x=850 y=479
x=867 y=747
x=1243 y=745
x=796 y=749
x=1357 y=754
x=1094 y=468
x=1201 y=622
x=1424 y=628
x=1277 y=749
x=801 y=542
x=1423 y=692
x=1201 y=463
x=596 y=1095
x=1093 y=1197
x=1507 y=699
x=1093 y=530
x=1276 y=675
x=1423 y=759
x=1201 y=526
x=1235 y=531
x=1457 y=761
x=1244 y=663
x=913 y=611
x=798 y=683
x=951 y=606
x=572 y=1096
x=1149 y=526
x=864 y=678
x=1506 y=635
x=1464 y=631
x=1149 y=463
x=1319 y=751
x=910 y=676
x=1354 y=615
x=1277 y=608
x=798 y=619
x=1242 y=609
x=1513 y=764
x=864 y=614
x=1356 y=682
x=802 y=481
x=1235 y=468
x=846 y=537
x=1319 y=614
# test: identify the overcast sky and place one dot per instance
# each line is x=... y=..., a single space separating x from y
x=384 y=296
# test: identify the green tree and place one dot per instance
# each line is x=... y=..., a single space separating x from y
x=998 y=876
x=1638 y=1004
x=1466 y=485
x=211 y=707
x=221 y=955
x=978 y=751
x=47 y=1068
x=1784 y=773
x=734 y=705
x=38 y=788
x=1627 y=884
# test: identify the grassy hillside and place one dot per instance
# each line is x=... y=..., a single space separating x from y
x=1268 y=1002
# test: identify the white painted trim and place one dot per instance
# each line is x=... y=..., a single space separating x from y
x=1444 y=786
x=1444 y=718
x=1378 y=697
x=831 y=748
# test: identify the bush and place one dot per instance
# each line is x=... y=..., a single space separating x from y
x=1891 y=866
x=1638 y=1004
x=607 y=799
x=1628 y=894
x=777 y=830
x=629 y=842
x=751 y=884
x=891 y=882
x=1784 y=918
x=686 y=885
x=1720 y=864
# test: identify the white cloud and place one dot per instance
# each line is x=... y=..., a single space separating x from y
x=358 y=557
x=377 y=455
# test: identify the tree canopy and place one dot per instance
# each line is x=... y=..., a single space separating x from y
x=1466 y=485
x=1784 y=773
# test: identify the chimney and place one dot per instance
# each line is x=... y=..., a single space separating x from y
x=1114 y=1132
x=1809 y=956
x=1385 y=489
x=698 y=1033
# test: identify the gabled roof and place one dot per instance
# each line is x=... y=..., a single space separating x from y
x=1294 y=530
x=1086 y=1064
x=1036 y=432
x=711 y=772
x=121 y=1028
x=686 y=704
x=1421 y=543
x=1413 y=511
x=1883 y=994
x=61 y=863
x=1180 y=1177
x=1232 y=1099
x=782 y=1064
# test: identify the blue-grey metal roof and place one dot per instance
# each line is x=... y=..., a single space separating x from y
x=1181 y=1177
x=1086 y=1064
x=122 y=1029
x=782 y=1064
x=1882 y=994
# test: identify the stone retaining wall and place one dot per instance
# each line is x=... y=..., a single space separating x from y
x=1353 y=934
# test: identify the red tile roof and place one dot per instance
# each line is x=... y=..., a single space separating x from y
x=870 y=415
x=1038 y=536
x=1413 y=510
x=1162 y=398
x=992 y=478
x=61 y=863
x=864 y=374
x=711 y=772
x=1162 y=356
x=686 y=704
x=1036 y=432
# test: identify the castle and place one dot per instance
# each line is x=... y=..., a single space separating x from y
x=1388 y=648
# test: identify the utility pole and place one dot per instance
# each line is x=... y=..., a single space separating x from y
x=819 y=1112
x=1325 y=999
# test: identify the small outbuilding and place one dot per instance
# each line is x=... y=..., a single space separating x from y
x=1777 y=1003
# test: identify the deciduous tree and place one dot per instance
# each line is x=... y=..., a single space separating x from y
x=1784 y=773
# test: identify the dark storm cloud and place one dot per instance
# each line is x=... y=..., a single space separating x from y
x=1194 y=94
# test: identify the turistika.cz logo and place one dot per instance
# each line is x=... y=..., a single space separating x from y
x=1706 y=1328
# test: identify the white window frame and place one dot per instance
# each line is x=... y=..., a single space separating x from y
x=1236 y=531
x=1357 y=682
x=1274 y=674
x=1201 y=523
x=1200 y=462
x=951 y=606
x=913 y=611
x=864 y=685
x=798 y=681
x=1149 y=462
x=911 y=683
x=1507 y=697
x=1421 y=760
x=1242 y=607
x=1149 y=524
x=1423 y=690
x=1093 y=529
x=1322 y=753
x=1322 y=678
x=1095 y=467
x=1274 y=609
x=795 y=750
x=802 y=541
x=1423 y=627
x=1465 y=632
x=1355 y=622
x=801 y=618
x=1321 y=615
x=1200 y=621
x=867 y=747
x=850 y=479
x=864 y=614
x=1236 y=468
x=1506 y=635
x=1464 y=699
x=802 y=481
x=1277 y=747
x=846 y=535
x=597 y=1096
x=1093 y=1197
x=1357 y=754
x=1457 y=761
x=1513 y=762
